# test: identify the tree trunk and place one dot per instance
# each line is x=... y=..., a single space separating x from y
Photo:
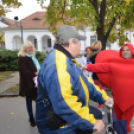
x=101 y=37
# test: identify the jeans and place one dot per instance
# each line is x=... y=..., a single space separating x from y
x=97 y=113
x=29 y=105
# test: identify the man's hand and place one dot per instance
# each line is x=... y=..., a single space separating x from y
x=109 y=100
x=84 y=68
x=99 y=126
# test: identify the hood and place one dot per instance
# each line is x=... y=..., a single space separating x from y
x=130 y=47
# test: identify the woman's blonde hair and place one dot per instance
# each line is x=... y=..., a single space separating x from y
x=96 y=45
x=23 y=48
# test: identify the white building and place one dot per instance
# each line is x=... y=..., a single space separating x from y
x=39 y=35
x=4 y=22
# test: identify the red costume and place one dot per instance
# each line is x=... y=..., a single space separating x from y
x=118 y=74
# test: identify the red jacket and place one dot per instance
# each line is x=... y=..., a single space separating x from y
x=118 y=74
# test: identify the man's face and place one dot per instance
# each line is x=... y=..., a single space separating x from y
x=75 y=47
x=126 y=52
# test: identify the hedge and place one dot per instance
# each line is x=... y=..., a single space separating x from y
x=9 y=59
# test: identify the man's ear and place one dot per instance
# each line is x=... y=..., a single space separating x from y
x=71 y=44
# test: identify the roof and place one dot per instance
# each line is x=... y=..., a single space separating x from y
x=33 y=21
x=7 y=21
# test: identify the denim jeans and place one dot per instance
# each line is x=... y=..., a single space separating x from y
x=29 y=105
x=96 y=112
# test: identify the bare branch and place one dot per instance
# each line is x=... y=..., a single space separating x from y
x=110 y=27
x=95 y=4
x=63 y=9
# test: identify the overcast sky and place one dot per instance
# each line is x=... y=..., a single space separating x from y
x=28 y=7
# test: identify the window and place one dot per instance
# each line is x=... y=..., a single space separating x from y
x=48 y=42
x=36 y=19
x=35 y=43
x=92 y=39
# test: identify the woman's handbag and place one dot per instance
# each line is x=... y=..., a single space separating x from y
x=35 y=80
x=120 y=126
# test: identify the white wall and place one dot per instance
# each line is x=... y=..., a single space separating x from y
x=9 y=35
x=86 y=32
x=2 y=25
x=131 y=37
x=42 y=35
x=16 y=43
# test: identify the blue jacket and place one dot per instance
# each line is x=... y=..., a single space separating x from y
x=60 y=78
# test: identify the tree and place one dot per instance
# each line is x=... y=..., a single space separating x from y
x=109 y=18
x=5 y=5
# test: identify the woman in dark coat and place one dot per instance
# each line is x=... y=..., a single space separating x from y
x=96 y=48
x=28 y=68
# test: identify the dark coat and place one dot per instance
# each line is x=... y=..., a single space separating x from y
x=26 y=72
x=92 y=59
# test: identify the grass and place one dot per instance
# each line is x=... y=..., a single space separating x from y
x=5 y=75
x=14 y=89
x=11 y=91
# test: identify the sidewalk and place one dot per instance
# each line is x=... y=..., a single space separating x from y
x=6 y=84
x=14 y=117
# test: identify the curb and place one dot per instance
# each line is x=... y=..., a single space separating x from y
x=15 y=95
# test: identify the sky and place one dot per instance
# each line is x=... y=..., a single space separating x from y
x=28 y=7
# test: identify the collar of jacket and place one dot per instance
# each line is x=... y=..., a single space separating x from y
x=63 y=50
x=94 y=52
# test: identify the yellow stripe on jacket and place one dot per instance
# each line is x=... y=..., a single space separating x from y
x=85 y=90
x=104 y=94
x=66 y=91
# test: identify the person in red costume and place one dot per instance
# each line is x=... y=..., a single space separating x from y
x=116 y=70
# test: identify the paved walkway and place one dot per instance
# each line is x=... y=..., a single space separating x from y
x=14 y=117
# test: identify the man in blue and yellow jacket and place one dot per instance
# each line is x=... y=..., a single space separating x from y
x=60 y=79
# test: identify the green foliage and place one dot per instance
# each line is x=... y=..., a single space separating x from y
x=40 y=56
x=97 y=14
x=9 y=59
x=5 y=6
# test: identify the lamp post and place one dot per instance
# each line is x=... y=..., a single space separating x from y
x=21 y=27
x=19 y=24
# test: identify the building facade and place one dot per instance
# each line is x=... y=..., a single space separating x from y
x=32 y=28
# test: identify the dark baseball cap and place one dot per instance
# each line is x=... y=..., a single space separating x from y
x=67 y=32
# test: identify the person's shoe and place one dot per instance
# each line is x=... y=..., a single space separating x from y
x=32 y=121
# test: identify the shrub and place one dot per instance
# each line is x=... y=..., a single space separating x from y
x=40 y=56
x=9 y=59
